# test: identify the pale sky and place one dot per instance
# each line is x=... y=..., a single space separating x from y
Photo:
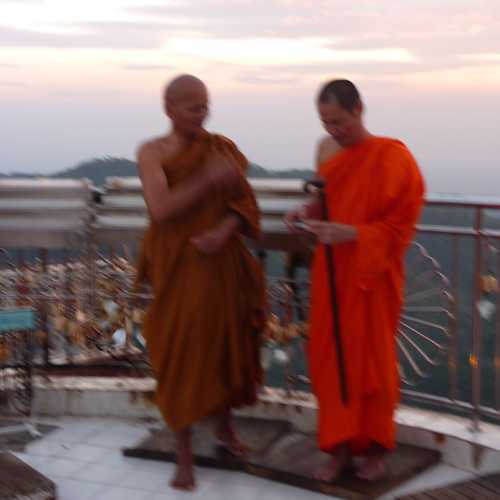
x=83 y=79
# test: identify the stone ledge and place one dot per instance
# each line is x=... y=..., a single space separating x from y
x=133 y=398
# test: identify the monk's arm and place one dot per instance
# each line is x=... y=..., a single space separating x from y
x=326 y=148
x=162 y=202
x=231 y=224
x=213 y=240
x=333 y=232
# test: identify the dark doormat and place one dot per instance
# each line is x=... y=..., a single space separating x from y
x=280 y=454
x=295 y=458
x=18 y=480
x=257 y=434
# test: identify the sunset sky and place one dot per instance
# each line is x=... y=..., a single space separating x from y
x=82 y=79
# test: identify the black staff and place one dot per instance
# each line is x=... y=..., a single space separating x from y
x=318 y=186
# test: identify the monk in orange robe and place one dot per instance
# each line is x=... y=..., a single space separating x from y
x=202 y=328
x=375 y=192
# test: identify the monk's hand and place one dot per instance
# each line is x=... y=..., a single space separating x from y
x=211 y=242
x=294 y=220
x=332 y=233
x=223 y=174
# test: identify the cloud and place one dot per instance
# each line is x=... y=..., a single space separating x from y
x=334 y=18
x=484 y=57
x=93 y=35
x=147 y=67
x=438 y=33
x=11 y=83
x=262 y=51
x=425 y=28
x=256 y=79
x=84 y=93
x=17 y=2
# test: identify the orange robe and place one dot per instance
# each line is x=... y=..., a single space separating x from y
x=202 y=328
x=376 y=186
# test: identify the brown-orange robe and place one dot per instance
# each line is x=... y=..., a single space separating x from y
x=202 y=328
x=377 y=187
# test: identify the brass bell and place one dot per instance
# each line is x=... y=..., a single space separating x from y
x=489 y=283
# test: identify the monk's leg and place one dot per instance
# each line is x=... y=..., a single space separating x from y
x=224 y=432
x=373 y=467
x=184 y=474
x=332 y=469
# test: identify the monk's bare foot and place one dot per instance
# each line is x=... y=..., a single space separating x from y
x=331 y=470
x=230 y=442
x=184 y=474
x=373 y=468
x=226 y=435
x=183 y=479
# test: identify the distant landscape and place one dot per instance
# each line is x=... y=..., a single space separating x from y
x=98 y=169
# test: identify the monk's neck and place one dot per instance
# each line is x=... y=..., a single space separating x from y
x=363 y=136
x=179 y=140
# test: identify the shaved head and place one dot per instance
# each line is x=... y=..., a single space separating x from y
x=187 y=105
x=182 y=88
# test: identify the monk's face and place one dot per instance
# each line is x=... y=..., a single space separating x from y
x=189 y=111
x=346 y=127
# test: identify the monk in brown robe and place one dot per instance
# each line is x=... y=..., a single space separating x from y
x=202 y=328
x=375 y=193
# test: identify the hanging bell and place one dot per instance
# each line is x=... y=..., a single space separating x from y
x=41 y=336
x=138 y=316
x=59 y=322
x=4 y=352
x=489 y=283
x=486 y=308
x=119 y=337
x=281 y=357
x=80 y=316
x=110 y=307
x=266 y=357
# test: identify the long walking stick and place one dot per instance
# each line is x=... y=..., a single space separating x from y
x=319 y=187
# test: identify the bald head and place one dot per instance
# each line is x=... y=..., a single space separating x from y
x=186 y=104
x=183 y=88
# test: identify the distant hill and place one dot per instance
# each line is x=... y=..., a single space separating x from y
x=19 y=175
x=98 y=169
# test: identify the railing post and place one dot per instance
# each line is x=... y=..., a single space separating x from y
x=262 y=256
x=453 y=352
x=475 y=357
x=92 y=255
x=44 y=305
x=497 y=335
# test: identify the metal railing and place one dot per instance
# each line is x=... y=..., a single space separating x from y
x=69 y=251
x=470 y=232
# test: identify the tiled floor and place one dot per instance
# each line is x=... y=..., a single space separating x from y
x=84 y=459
